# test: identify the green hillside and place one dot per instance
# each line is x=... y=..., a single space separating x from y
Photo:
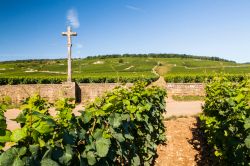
x=122 y=67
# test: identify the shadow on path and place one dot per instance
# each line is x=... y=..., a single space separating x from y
x=205 y=156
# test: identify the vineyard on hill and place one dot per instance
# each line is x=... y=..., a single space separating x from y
x=118 y=68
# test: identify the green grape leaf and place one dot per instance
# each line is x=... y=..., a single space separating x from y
x=247 y=124
x=18 y=134
x=115 y=120
x=247 y=141
x=34 y=149
x=136 y=160
x=22 y=151
x=119 y=137
x=91 y=158
x=41 y=142
x=126 y=102
x=12 y=156
x=132 y=108
x=82 y=134
x=44 y=127
x=48 y=162
x=21 y=118
x=99 y=113
x=107 y=106
x=87 y=116
x=239 y=97
x=129 y=136
x=98 y=134
x=6 y=137
x=135 y=99
x=3 y=124
x=67 y=156
x=102 y=147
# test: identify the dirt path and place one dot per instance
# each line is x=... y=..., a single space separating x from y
x=154 y=70
x=160 y=82
x=178 y=151
x=186 y=108
x=186 y=145
x=177 y=108
x=183 y=146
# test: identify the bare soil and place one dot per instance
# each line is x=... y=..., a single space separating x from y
x=186 y=145
x=178 y=108
x=178 y=151
x=186 y=108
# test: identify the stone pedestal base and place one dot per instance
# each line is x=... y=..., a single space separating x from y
x=68 y=90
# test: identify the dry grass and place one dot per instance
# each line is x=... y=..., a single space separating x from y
x=187 y=98
x=174 y=117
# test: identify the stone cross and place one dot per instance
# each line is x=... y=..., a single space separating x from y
x=69 y=33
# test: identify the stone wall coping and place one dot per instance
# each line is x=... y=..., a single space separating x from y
x=186 y=83
x=31 y=85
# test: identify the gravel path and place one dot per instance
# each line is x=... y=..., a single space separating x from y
x=179 y=150
x=182 y=148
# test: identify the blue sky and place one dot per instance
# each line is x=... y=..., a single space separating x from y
x=31 y=29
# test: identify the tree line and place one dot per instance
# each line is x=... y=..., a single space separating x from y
x=153 y=55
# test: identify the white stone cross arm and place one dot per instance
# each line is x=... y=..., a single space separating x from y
x=69 y=33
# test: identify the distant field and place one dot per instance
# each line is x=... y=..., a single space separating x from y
x=197 y=66
x=122 y=67
x=81 y=67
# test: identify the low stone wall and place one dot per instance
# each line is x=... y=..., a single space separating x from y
x=89 y=91
x=184 y=89
x=92 y=90
x=85 y=92
x=51 y=92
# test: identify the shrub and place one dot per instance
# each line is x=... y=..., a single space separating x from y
x=4 y=133
x=121 y=61
x=226 y=120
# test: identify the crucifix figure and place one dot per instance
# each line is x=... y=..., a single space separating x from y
x=69 y=33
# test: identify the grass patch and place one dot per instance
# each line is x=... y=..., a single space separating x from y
x=12 y=106
x=174 y=117
x=188 y=98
